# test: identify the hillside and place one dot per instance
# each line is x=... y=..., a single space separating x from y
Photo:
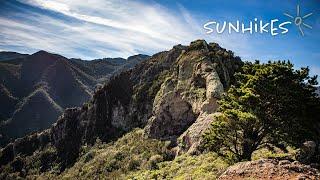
x=36 y=88
x=148 y=122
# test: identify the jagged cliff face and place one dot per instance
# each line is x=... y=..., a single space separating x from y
x=172 y=95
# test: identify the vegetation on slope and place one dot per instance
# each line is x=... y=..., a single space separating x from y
x=203 y=166
x=117 y=159
x=135 y=157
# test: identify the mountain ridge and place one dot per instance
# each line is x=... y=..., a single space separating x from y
x=61 y=81
x=126 y=101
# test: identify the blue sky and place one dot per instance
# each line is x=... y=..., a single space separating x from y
x=120 y=28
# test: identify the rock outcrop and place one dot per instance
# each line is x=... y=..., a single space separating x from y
x=188 y=97
x=270 y=169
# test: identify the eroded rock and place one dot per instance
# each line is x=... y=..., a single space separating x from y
x=173 y=116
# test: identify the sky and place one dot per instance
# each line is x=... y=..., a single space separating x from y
x=91 y=29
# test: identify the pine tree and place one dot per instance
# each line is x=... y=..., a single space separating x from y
x=270 y=104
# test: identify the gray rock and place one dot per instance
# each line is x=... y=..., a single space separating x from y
x=307 y=152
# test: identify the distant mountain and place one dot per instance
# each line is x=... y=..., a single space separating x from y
x=7 y=55
x=101 y=68
x=35 y=89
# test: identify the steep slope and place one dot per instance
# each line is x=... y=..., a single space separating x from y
x=67 y=86
x=165 y=94
x=62 y=82
x=37 y=111
x=9 y=80
x=7 y=108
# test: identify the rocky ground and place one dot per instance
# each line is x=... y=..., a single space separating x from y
x=270 y=169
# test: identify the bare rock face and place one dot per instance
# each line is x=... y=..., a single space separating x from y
x=172 y=110
x=191 y=139
x=202 y=73
x=190 y=93
x=270 y=169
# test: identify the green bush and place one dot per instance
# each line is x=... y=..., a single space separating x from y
x=204 y=166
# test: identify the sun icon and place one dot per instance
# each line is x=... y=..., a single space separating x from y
x=299 y=20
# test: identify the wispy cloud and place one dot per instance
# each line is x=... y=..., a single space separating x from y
x=102 y=28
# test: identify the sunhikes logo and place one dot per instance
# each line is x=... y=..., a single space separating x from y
x=273 y=27
x=298 y=20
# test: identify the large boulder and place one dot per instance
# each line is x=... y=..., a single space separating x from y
x=309 y=153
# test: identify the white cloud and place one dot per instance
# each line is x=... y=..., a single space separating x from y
x=106 y=28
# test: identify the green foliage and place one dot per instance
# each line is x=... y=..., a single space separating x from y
x=135 y=157
x=204 y=166
x=43 y=160
x=274 y=153
x=131 y=153
x=270 y=104
x=156 y=83
x=148 y=90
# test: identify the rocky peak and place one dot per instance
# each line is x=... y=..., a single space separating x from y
x=138 y=57
x=41 y=53
x=190 y=92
